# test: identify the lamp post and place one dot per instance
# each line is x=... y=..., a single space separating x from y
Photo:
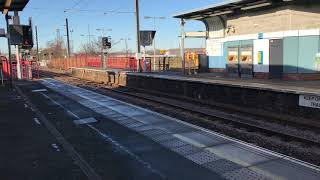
x=71 y=41
x=103 y=58
x=126 y=44
x=154 y=18
x=138 y=34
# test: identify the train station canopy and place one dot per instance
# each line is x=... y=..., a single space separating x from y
x=12 y=5
x=234 y=6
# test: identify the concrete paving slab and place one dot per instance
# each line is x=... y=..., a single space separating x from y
x=187 y=150
x=150 y=119
x=100 y=110
x=282 y=169
x=240 y=154
x=199 y=140
x=85 y=121
x=127 y=110
x=109 y=103
x=222 y=166
x=173 y=127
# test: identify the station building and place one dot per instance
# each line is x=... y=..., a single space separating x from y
x=278 y=39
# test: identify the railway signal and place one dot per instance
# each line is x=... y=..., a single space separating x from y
x=106 y=44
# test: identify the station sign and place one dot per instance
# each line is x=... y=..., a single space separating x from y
x=309 y=101
x=146 y=37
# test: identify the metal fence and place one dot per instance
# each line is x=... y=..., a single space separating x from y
x=28 y=68
x=157 y=64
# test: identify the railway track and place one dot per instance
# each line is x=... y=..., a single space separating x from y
x=205 y=114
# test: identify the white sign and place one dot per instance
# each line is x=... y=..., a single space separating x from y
x=317 y=62
x=261 y=48
x=214 y=47
x=309 y=101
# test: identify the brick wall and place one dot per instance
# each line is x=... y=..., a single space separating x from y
x=276 y=19
x=301 y=77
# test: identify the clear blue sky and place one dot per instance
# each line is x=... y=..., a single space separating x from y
x=49 y=15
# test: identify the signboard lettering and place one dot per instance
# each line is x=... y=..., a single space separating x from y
x=309 y=101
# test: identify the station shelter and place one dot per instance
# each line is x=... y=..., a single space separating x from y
x=261 y=39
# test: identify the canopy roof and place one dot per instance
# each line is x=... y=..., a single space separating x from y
x=228 y=7
x=12 y=5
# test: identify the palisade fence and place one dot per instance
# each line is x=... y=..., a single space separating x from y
x=118 y=62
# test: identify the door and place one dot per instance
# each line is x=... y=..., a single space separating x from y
x=203 y=63
x=276 y=58
x=233 y=62
x=246 y=61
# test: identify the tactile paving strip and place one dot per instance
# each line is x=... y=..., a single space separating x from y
x=162 y=138
x=187 y=150
x=144 y=128
x=244 y=174
x=174 y=128
x=202 y=157
x=133 y=125
x=128 y=122
x=153 y=132
x=222 y=166
x=173 y=143
x=121 y=118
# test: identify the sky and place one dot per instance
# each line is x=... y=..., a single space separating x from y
x=85 y=16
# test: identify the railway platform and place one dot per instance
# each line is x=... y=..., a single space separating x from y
x=289 y=86
x=297 y=101
x=29 y=151
x=166 y=147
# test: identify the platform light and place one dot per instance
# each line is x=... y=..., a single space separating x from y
x=7 y=5
x=221 y=13
x=256 y=6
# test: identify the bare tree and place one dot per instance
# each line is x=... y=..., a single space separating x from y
x=91 y=48
x=56 y=48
